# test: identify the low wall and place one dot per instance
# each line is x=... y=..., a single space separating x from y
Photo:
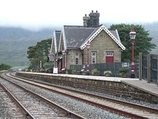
x=115 y=88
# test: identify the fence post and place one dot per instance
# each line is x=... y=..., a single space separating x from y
x=157 y=70
x=148 y=68
x=140 y=66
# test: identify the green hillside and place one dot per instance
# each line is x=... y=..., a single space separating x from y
x=14 y=43
x=153 y=30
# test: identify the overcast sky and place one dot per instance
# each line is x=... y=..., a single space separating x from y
x=49 y=13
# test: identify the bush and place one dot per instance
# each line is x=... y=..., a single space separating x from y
x=69 y=71
x=74 y=71
x=85 y=72
x=123 y=72
x=4 y=67
x=95 y=72
x=41 y=70
x=107 y=73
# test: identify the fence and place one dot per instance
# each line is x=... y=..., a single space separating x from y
x=113 y=67
x=148 y=67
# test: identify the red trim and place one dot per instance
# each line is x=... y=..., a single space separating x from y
x=109 y=59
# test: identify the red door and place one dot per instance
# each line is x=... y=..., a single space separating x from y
x=109 y=56
x=109 y=59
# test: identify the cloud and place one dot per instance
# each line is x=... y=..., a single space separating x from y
x=38 y=13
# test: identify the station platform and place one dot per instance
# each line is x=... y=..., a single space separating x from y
x=143 y=85
x=152 y=88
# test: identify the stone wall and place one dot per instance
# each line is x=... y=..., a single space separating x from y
x=71 y=57
x=103 y=43
x=106 y=87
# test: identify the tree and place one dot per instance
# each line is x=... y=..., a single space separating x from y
x=39 y=52
x=4 y=67
x=142 y=42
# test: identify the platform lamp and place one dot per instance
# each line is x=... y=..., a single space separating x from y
x=88 y=60
x=132 y=35
x=64 y=60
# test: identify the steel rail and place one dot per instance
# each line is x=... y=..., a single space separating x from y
x=138 y=106
x=24 y=110
x=111 y=109
x=68 y=112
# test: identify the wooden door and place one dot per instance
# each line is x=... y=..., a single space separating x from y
x=109 y=56
x=109 y=59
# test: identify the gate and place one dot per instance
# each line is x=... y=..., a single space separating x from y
x=148 y=67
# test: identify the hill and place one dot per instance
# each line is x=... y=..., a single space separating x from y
x=153 y=31
x=14 y=43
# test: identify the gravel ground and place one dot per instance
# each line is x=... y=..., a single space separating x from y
x=120 y=98
x=8 y=110
x=87 y=110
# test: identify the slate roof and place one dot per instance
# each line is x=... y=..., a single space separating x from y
x=75 y=36
x=56 y=40
x=115 y=33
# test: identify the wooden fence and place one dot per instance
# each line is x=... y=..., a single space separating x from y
x=148 y=67
x=113 y=67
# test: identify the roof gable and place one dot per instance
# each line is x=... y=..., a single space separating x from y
x=116 y=40
x=74 y=36
x=56 y=38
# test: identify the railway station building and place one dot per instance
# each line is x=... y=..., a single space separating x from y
x=84 y=45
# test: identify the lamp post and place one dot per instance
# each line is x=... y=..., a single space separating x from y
x=55 y=70
x=52 y=57
x=88 y=62
x=40 y=64
x=64 y=60
x=132 y=38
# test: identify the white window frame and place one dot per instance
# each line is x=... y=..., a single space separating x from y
x=109 y=53
x=93 y=57
x=77 y=58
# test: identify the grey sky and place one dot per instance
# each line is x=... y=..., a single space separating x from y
x=49 y=13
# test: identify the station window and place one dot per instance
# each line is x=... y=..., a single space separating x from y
x=93 y=57
x=109 y=53
x=76 y=62
x=77 y=58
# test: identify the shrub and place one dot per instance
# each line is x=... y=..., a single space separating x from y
x=107 y=73
x=95 y=72
x=123 y=72
x=4 y=67
x=41 y=70
x=68 y=71
x=74 y=71
x=85 y=72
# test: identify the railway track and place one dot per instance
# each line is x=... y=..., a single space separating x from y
x=26 y=113
x=35 y=106
x=126 y=109
x=8 y=108
x=78 y=107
